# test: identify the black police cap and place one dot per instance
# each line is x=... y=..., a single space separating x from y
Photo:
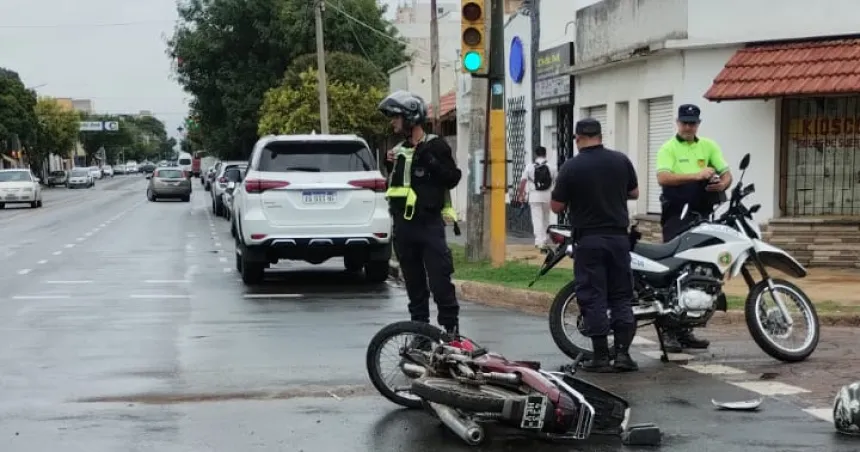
x=588 y=127
x=689 y=113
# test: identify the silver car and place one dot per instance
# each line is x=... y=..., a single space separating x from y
x=80 y=177
x=168 y=183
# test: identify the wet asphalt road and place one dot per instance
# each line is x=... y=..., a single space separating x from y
x=126 y=329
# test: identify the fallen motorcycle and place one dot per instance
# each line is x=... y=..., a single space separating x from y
x=466 y=386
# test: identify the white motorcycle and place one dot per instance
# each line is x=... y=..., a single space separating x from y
x=680 y=282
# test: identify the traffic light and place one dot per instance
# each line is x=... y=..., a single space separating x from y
x=473 y=43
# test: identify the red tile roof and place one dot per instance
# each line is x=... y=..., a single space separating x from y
x=448 y=103
x=777 y=70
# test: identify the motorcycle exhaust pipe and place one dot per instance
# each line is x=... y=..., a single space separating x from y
x=413 y=370
x=467 y=429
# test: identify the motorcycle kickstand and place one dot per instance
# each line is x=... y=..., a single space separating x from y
x=664 y=357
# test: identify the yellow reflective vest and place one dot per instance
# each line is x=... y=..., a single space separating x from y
x=405 y=190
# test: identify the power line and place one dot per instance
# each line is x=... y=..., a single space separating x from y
x=92 y=25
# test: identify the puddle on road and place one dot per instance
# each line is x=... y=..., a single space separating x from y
x=333 y=392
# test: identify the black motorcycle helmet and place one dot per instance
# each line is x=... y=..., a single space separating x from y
x=846 y=409
x=407 y=105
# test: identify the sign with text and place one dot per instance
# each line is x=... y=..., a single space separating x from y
x=98 y=126
x=551 y=88
x=831 y=132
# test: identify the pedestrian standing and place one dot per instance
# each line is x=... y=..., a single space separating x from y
x=535 y=187
x=594 y=186
x=421 y=172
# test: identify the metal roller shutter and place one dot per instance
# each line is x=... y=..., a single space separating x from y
x=598 y=113
x=661 y=127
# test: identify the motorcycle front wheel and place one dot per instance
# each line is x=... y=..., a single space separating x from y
x=406 y=336
x=766 y=323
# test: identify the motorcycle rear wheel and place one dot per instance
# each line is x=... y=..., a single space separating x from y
x=559 y=331
x=449 y=392
x=374 y=351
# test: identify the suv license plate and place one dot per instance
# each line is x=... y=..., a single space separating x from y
x=319 y=197
x=533 y=413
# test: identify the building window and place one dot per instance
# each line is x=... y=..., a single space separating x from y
x=820 y=162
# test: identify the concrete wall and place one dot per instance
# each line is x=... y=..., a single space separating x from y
x=416 y=77
x=613 y=26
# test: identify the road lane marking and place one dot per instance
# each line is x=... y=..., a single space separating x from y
x=769 y=388
x=158 y=296
x=70 y=245
x=227 y=269
x=824 y=414
x=24 y=271
x=41 y=297
x=57 y=253
x=222 y=259
x=273 y=295
x=83 y=281
x=639 y=340
x=89 y=234
x=103 y=225
x=713 y=369
x=217 y=244
x=42 y=262
x=167 y=281
x=80 y=239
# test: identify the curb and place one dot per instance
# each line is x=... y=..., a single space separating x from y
x=534 y=302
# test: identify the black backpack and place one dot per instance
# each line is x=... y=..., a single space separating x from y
x=543 y=177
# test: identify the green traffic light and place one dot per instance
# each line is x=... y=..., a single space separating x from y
x=472 y=61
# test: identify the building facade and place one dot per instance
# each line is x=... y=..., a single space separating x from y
x=782 y=84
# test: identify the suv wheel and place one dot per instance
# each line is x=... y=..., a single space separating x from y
x=376 y=271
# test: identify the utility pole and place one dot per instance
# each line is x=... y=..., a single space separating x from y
x=496 y=124
x=434 y=66
x=321 y=74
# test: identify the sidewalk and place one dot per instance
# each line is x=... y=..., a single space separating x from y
x=821 y=284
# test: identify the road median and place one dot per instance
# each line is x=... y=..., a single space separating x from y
x=504 y=288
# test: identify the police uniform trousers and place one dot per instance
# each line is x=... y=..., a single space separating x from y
x=425 y=258
x=604 y=281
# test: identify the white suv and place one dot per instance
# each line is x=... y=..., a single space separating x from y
x=311 y=198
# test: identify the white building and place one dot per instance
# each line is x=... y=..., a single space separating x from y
x=793 y=107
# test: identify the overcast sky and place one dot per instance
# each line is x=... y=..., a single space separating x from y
x=110 y=51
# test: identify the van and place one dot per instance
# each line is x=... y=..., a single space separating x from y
x=184 y=162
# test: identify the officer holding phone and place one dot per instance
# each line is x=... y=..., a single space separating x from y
x=693 y=172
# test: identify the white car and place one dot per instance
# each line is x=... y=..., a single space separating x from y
x=107 y=171
x=95 y=172
x=80 y=177
x=19 y=186
x=311 y=198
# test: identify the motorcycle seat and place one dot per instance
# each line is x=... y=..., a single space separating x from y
x=657 y=251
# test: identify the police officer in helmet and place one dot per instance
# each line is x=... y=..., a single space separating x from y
x=594 y=186
x=421 y=173
x=692 y=171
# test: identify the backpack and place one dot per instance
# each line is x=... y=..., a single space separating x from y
x=543 y=177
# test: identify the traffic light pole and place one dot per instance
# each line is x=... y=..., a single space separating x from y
x=496 y=134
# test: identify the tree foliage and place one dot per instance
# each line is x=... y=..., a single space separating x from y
x=229 y=53
x=138 y=138
x=295 y=109
x=56 y=131
x=17 y=111
x=340 y=67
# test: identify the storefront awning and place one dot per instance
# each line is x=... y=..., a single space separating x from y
x=448 y=103
x=778 y=70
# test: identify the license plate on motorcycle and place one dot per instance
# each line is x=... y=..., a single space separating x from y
x=533 y=413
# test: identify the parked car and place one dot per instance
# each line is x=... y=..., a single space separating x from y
x=80 y=177
x=119 y=169
x=209 y=177
x=311 y=198
x=19 y=186
x=234 y=175
x=107 y=171
x=168 y=183
x=95 y=172
x=228 y=172
x=57 y=178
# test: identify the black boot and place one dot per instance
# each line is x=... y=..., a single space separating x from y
x=623 y=338
x=689 y=340
x=599 y=361
x=670 y=340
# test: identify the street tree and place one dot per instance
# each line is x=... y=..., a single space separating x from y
x=56 y=132
x=17 y=111
x=340 y=67
x=228 y=53
x=295 y=109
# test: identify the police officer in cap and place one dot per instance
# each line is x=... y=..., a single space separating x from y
x=595 y=186
x=421 y=173
x=693 y=172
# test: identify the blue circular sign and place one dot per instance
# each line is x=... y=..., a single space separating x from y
x=516 y=61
